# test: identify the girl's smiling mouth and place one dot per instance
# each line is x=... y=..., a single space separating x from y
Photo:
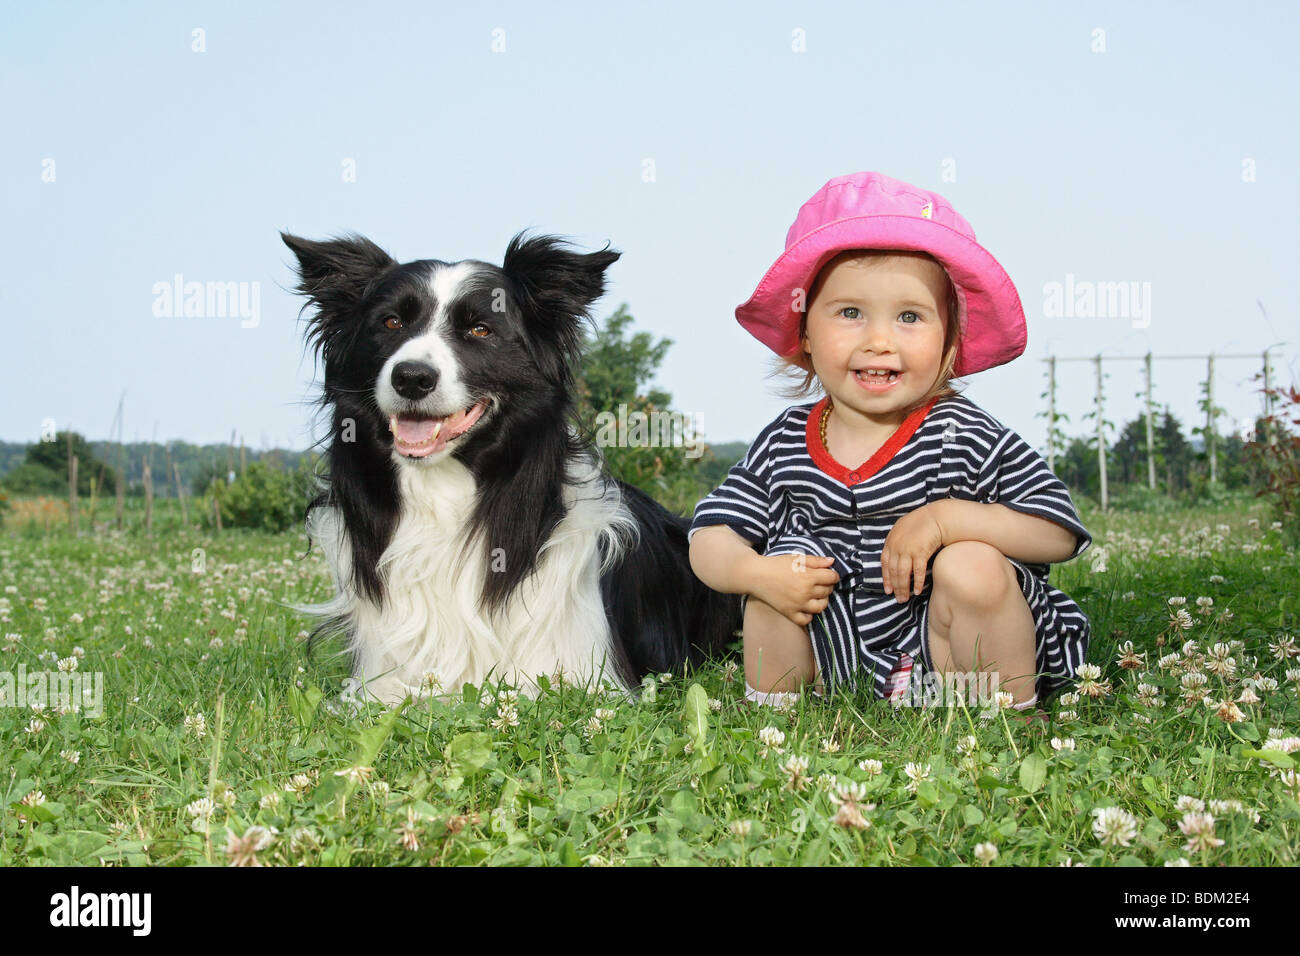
x=876 y=379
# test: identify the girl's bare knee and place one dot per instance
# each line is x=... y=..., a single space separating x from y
x=971 y=575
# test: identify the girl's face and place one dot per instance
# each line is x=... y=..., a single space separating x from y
x=875 y=334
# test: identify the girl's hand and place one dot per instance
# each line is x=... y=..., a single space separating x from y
x=908 y=547
x=798 y=586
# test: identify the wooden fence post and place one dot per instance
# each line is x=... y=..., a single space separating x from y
x=1101 y=439
x=121 y=493
x=72 y=489
x=1151 y=444
x=180 y=493
x=1210 y=418
x=1051 y=414
x=148 y=497
x=1268 y=403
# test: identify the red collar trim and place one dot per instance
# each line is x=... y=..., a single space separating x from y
x=852 y=476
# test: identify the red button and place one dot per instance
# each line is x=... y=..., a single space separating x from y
x=853 y=476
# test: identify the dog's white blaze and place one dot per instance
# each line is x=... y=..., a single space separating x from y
x=432 y=621
x=432 y=346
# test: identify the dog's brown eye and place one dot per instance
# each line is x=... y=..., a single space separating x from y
x=480 y=331
x=392 y=322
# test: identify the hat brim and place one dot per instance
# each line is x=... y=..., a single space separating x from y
x=992 y=320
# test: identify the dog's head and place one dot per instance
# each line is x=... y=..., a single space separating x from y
x=432 y=353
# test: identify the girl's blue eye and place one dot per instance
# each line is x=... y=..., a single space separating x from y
x=847 y=309
x=903 y=316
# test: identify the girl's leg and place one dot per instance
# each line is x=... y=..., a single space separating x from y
x=778 y=653
x=979 y=620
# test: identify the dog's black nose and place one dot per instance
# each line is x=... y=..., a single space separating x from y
x=414 y=380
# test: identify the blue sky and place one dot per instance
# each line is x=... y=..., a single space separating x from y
x=1124 y=165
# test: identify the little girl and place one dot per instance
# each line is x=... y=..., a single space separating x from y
x=893 y=520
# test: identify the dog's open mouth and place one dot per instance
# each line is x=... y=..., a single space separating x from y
x=419 y=437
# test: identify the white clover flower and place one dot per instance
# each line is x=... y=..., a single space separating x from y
x=355 y=775
x=1230 y=712
x=1177 y=601
x=243 y=850
x=298 y=783
x=1059 y=744
x=848 y=798
x=771 y=738
x=1113 y=826
x=507 y=717
x=201 y=809
x=197 y=725
x=1089 y=671
x=986 y=853
x=796 y=768
x=870 y=767
x=1283 y=647
x=741 y=828
x=1186 y=804
x=1199 y=829
x=916 y=773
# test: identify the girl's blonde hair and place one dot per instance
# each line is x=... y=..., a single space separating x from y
x=800 y=381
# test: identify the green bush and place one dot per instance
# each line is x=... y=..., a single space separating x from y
x=261 y=498
x=32 y=478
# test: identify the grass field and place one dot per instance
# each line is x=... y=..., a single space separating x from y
x=221 y=743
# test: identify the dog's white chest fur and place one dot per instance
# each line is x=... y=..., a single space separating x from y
x=432 y=621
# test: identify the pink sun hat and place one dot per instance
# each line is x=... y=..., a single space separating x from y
x=873 y=211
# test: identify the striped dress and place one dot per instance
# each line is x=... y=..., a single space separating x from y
x=789 y=496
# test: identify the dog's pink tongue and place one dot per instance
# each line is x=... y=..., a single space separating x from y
x=415 y=429
x=413 y=436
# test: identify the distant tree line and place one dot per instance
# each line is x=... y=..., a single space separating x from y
x=41 y=468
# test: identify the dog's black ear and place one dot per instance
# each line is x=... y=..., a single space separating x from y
x=334 y=274
x=557 y=287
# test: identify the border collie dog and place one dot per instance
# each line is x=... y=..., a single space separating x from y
x=471 y=532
